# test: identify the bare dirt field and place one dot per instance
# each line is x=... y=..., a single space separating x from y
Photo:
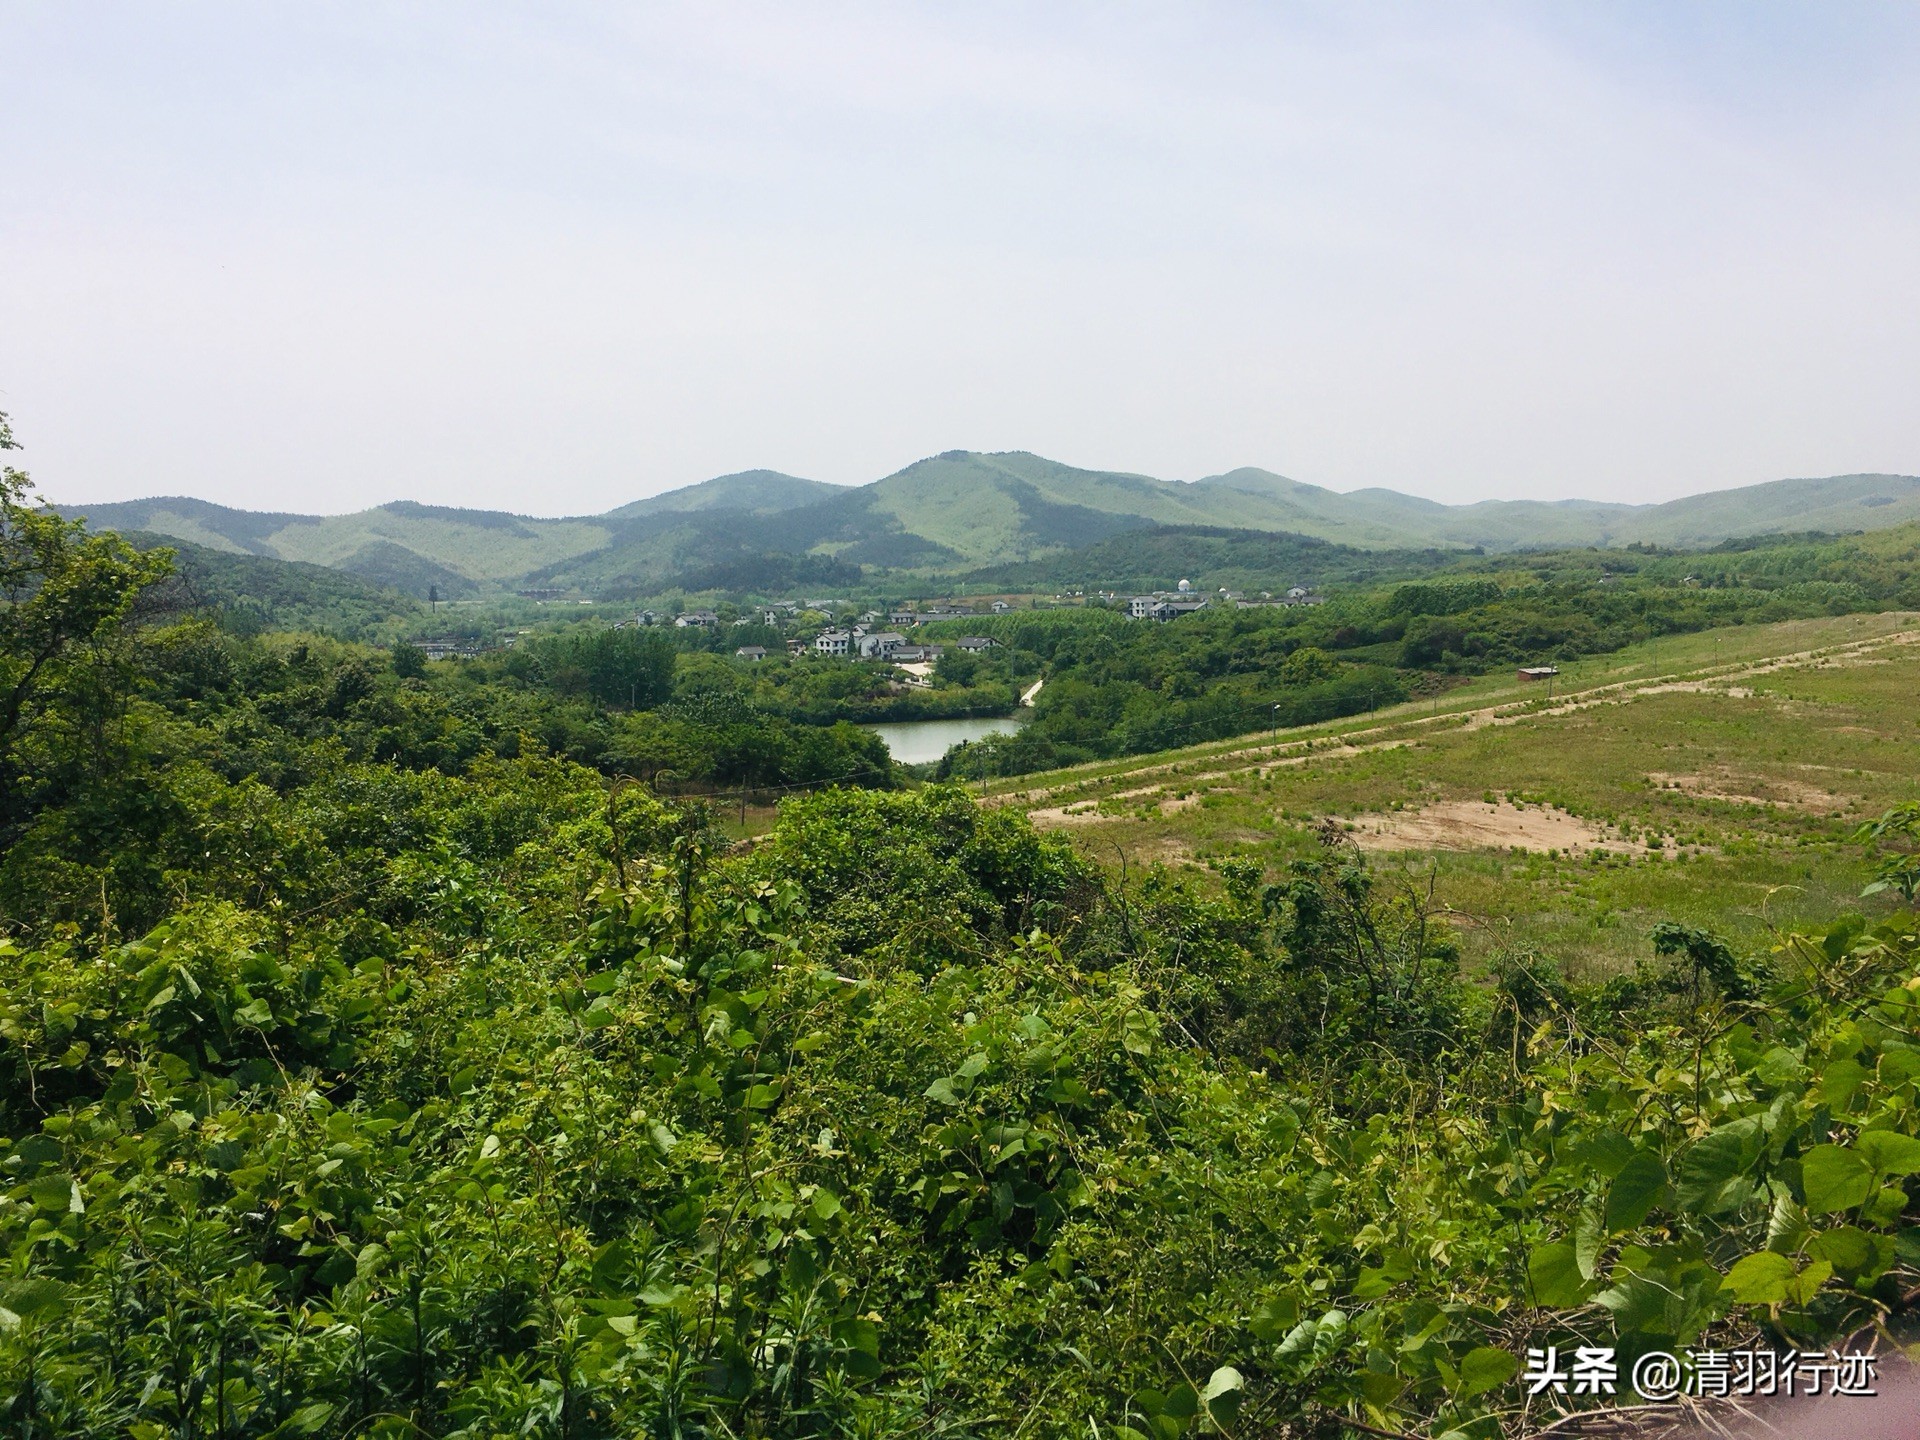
x=1476 y=825
x=1747 y=789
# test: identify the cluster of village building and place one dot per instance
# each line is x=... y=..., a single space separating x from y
x=881 y=635
x=871 y=638
x=1164 y=605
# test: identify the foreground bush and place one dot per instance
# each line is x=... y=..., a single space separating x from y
x=617 y=1134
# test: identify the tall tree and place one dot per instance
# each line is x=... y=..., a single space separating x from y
x=64 y=599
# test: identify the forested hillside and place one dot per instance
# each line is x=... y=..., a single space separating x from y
x=248 y=595
x=379 y=1058
x=1213 y=558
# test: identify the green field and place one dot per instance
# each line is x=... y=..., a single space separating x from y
x=1720 y=778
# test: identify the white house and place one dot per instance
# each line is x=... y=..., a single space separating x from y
x=833 y=642
x=880 y=645
x=1165 y=607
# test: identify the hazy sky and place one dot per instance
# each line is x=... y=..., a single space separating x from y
x=551 y=258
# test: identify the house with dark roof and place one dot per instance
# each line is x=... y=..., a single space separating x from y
x=880 y=644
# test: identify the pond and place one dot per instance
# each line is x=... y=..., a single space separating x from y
x=915 y=742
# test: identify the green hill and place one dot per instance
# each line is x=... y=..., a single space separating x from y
x=471 y=548
x=957 y=512
x=761 y=492
x=254 y=592
x=1837 y=503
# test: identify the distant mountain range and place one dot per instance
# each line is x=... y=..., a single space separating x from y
x=953 y=513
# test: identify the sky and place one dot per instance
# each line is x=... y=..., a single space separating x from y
x=551 y=258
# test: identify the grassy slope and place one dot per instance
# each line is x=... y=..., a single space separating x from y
x=1838 y=503
x=1845 y=726
x=199 y=522
x=1372 y=518
x=972 y=504
x=965 y=505
x=478 y=544
x=761 y=492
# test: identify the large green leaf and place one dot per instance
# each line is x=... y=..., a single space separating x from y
x=1890 y=1152
x=1222 y=1396
x=1834 y=1178
x=1554 y=1272
x=1841 y=1080
x=1714 y=1162
x=1858 y=1256
x=1760 y=1279
x=1483 y=1368
x=1634 y=1191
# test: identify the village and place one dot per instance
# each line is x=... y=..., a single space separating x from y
x=828 y=628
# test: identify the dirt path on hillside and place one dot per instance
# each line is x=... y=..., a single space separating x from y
x=1273 y=754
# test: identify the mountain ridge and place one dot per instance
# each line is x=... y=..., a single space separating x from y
x=958 y=511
